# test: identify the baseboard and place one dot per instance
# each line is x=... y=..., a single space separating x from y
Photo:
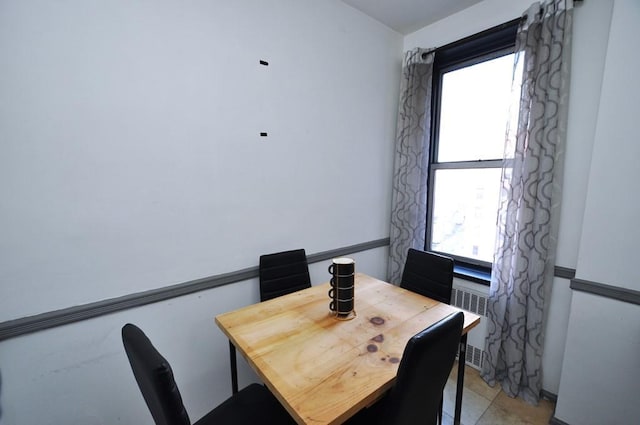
x=556 y=421
x=548 y=395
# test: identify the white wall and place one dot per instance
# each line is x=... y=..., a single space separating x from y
x=591 y=21
x=79 y=373
x=600 y=379
x=130 y=159
x=591 y=26
x=590 y=35
x=130 y=156
x=609 y=235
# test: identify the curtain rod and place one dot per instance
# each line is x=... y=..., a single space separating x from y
x=466 y=39
x=499 y=27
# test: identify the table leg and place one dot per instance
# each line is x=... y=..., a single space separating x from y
x=234 y=368
x=462 y=355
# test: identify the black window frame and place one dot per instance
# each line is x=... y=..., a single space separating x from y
x=486 y=45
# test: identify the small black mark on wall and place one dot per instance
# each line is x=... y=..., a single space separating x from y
x=265 y=63
x=263 y=134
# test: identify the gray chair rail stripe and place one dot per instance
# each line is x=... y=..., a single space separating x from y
x=608 y=291
x=38 y=322
x=564 y=272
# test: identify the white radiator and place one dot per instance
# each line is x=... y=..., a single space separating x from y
x=474 y=302
x=469 y=300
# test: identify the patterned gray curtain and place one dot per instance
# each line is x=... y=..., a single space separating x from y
x=529 y=203
x=409 y=197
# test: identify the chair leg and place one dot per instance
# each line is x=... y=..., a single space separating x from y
x=440 y=411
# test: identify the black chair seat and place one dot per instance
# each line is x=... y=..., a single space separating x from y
x=253 y=404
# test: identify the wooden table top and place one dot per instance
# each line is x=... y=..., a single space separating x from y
x=322 y=369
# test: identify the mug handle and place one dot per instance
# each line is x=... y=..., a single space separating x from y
x=331 y=266
x=332 y=306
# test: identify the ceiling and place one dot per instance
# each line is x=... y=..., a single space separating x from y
x=406 y=16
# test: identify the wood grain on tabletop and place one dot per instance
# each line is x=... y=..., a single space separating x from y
x=323 y=369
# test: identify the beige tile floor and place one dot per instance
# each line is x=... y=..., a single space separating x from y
x=483 y=405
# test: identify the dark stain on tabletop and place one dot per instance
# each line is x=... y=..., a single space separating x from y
x=377 y=321
x=372 y=348
x=394 y=360
x=378 y=338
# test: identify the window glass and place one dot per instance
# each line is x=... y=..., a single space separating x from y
x=465 y=212
x=471 y=123
x=474 y=105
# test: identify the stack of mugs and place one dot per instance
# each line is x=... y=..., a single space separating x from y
x=342 y=286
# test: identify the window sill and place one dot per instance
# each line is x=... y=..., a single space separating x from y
x=467 y=273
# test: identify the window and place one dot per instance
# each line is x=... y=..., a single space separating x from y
x=471 y=99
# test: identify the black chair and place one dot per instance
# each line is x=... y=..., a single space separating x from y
x=431 y=275
x=428 y=274
x=283 y=273
x=422 y=375
x=252 y=405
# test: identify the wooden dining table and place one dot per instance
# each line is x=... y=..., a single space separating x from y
x=322 y=368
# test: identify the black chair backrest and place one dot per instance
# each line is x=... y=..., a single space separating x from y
x=155 y=378
x=422 y=374
x=283 y=273
x=428 y=274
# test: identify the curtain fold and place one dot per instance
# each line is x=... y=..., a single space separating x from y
x=529 y=202
x=412 y=146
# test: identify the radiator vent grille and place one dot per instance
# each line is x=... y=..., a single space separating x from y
x=475 y=303
x=470 y=301
x=474 y=357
